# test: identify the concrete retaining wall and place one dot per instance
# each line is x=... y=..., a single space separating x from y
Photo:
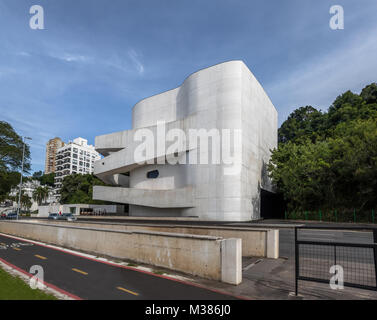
x=257 y=242
x=205 y=256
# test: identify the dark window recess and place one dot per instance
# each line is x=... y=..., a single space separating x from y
x=152 y=174
x=127 y=174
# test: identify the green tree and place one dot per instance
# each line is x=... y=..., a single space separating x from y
x=40 y=195
x=7 y=181
x=11 y=146
x=302 y=173
x=37 y=174
x=354 y=151
x=78 y=188
x=329 y=160
x=304 y=122
x=369 y=93
x=47 y=179
x=25 y=200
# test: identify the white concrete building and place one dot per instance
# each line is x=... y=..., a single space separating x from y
x=225 y=96
x=75 y=157
x=28 y=189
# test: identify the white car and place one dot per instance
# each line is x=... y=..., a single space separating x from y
x=69 y=217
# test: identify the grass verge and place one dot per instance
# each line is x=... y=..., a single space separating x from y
x=14 y=288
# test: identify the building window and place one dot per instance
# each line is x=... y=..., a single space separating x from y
x=152 y=174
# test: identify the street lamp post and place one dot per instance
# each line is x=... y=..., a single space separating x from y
x=22 y=170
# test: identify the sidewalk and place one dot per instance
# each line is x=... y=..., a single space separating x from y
x=273 y=279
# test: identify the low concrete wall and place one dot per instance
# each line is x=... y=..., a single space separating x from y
x=257 y=242
x=205 y=256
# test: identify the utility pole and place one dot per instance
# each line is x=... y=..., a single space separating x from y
x=22 y=170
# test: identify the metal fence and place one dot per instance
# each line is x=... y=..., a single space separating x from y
x=343 y=215
x=313 y=259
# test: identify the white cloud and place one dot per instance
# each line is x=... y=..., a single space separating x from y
x=69 y=57
x=320 y=81
x=113 y=61
x=23 y=53
x=136 y=60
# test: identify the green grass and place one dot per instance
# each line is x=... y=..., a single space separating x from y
x=14 y=288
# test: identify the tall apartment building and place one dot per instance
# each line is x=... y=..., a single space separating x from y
x=75 y=157
x=52 y=147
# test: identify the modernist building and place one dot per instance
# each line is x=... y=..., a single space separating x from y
x=52 y=147
x=225 y=96
x=75 y=157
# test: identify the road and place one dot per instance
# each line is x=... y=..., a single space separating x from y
x=86 y=278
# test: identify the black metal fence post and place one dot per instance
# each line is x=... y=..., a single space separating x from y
x=296 y=263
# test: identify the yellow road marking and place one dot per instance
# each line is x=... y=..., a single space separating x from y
x=128 y=291
x=2 y=243
x=17 y=249
x=79 y=271
x=40 y=257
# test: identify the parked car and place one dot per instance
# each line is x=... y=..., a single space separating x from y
x=53 y=216
x=68 y=217
x=11 y=215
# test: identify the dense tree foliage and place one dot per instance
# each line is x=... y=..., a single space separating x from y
x=329 y=159
x=25 y=200
x=11 y=146
x=78 y=188
x=44 y=179
x=37 y=174
x=40 y=195
x=303 y=123
x=7 y=181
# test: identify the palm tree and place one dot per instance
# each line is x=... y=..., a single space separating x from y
x=25 y=201
x=40 y=194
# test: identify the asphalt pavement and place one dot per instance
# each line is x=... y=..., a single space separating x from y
x=86 y=278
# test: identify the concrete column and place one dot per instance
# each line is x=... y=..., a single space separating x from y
x=231 y=261
x=273 y=243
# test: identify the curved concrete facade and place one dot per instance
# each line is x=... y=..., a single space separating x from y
x=224 y=96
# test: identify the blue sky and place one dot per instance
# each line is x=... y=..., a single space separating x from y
x=95 y=59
